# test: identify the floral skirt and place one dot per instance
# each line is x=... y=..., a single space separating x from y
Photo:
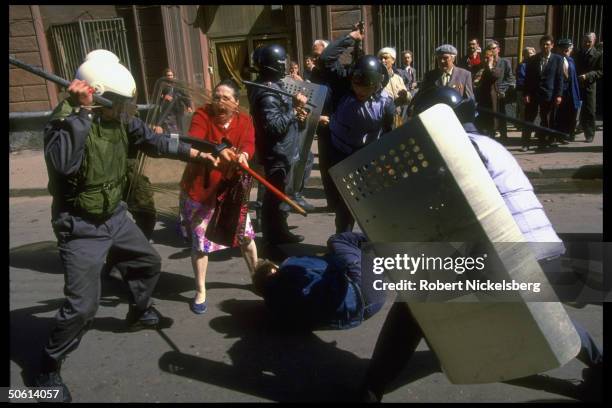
x=194 y=218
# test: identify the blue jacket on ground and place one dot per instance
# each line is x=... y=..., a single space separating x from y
x=324 y=291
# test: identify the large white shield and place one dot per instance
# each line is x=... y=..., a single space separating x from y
x=424 y=182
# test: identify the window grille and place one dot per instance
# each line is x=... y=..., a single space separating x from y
x=71 y=42
x=422 y=29
x=580 y=19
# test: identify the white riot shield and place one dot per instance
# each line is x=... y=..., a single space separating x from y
x=424 y=182
x=316 y=96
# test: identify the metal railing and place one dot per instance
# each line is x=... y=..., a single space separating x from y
x=576 y=20
x=71 y=42
x=29 y=121
x=422 y=29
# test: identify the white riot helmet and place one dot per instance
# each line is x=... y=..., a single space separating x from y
x=102 y=55
x=103 y=72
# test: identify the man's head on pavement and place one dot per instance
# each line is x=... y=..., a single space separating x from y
x=445 y=56
x=264 y=270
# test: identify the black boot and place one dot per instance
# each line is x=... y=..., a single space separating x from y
x=50 y=377
x=137 y=319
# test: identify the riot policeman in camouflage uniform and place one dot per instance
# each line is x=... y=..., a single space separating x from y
x=86 y=149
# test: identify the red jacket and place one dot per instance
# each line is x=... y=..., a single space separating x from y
x=240 y=132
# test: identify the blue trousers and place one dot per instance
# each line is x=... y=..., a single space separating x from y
x=346 y=247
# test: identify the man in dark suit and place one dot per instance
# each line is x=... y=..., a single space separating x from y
x=503 y=86
x=589 y=66
x=543 y=90
x=447 y=74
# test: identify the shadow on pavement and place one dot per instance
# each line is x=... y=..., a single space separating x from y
x=421 y=364
x=279 y=253
x=168 y=234
x=28 y=336
x=43 y=257
x=549 y=384
x=580 y=149
x=40 y=256
x=314 y=193
x=272 y=362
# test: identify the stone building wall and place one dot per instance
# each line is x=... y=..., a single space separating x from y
x=27 y=92
x=502 y=23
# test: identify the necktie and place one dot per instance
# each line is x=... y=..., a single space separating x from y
x=445 y=79
x=544 y=62
x=565 y=68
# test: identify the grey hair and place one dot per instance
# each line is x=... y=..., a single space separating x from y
x=322 y=42
x=590 y=35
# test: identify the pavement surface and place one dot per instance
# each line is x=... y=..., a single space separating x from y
x=28 y=174
x=236 y=352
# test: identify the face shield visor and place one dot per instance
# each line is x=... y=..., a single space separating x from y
x=123 y=109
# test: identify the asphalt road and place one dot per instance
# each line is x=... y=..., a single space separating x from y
x=236 y=352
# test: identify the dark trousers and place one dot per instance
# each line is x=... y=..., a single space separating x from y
x=546 y=110
x=565 y=117
x=307 y=170
x=84 y=248
x=344 y=219
x=587 y=111
x=273 y=220
x=502 y=125
x=401 y=334
x=324 y=145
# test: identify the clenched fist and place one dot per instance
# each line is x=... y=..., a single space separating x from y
x=81 y=93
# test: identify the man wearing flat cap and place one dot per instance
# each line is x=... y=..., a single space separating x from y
x=447 y=74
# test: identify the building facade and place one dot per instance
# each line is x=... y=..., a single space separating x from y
x=204 y=44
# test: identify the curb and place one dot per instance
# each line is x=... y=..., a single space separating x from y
x=587 y=172
x=590 y=171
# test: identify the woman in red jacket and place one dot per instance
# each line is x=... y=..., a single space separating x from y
x=213 y=122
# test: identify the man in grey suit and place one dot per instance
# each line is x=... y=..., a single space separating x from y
x=447 y=74
x=503 y=86
x=589 y=66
